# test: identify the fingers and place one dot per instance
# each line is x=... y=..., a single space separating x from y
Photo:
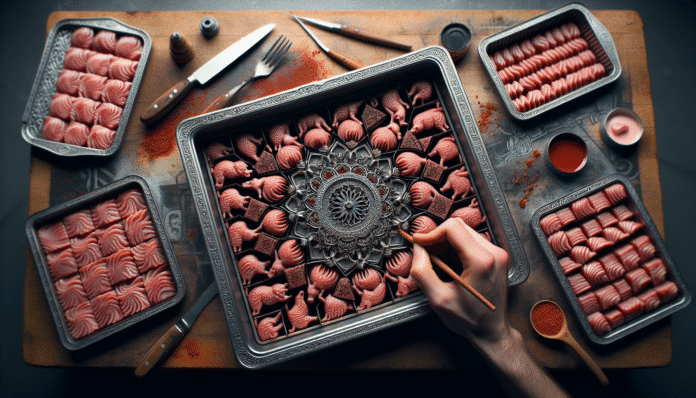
x=462 y=238
x=426 y=278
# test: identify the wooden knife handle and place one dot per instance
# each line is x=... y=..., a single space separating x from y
x=164 y=346
x=226 y=99
x=166 y=102
x=345 y=61
x=362 y=34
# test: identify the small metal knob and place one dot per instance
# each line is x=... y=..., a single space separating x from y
x=209 y=27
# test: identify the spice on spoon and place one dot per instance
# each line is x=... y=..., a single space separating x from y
x=547 y=318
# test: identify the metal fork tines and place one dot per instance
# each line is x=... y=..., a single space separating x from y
x=268 y=63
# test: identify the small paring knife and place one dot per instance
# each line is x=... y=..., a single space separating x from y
x=340 y=58
x=166 y=344
x=202 y=75
x=357 y=33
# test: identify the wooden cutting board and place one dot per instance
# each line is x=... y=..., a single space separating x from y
x=422 y=344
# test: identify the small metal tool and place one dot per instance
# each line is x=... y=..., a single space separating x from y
x=340 y=58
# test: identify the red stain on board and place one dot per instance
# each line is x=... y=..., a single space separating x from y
x=192 y=349
x=297 y=69
x=526 y=180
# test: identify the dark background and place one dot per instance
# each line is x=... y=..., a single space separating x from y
x=669 y=34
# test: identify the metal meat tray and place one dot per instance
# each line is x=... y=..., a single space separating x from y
x=597 y=36
x=56 y=213
x=57 y=43
x=642 y=216
x=195 y=134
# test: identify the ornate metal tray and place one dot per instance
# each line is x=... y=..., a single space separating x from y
x=343 y=202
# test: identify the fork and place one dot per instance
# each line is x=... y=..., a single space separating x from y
x=264 y=67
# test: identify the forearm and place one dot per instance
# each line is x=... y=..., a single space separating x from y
x=518 y=372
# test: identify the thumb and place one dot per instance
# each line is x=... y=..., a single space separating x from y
x=423 y=273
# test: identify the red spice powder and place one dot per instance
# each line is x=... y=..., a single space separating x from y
x=547 y=318
x=488 y=114
x=192 y=349
x=298 y=68
x=525 y=179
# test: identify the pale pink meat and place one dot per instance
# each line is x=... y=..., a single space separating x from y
x=267 y=295
x=250 y=266
x=53 y=129
x=240 y=233
x=271 y=188
x=68 y=82
x=347 y=111
x=78 y=223
x=91 y=86
x=410 y=164
x=289 y=157
x=121 y=266
x=247 y=146
x=159 y=285
x=385 y=138
x=431 y=119
x=70 y=291
x=422 y=194
x=232 y=199
x=106 y=309
x=60 y=106
x=311 y=121
x=420 y=91
x=299 y=314
x=321 y=278
x=132 y=296
x=334 y=308
x=61 y=264
x=446 y=149
x=81 y=321
x=95 y=278
x=104 y=41
x=317 y=138
x=228 y=169
x=395 y=106
x=275 y=222
x=458 y=181
x=76 y=58
x=350 y=130
x=116 y=92
x=108 y=115
x=85 y=249
x=269 y=327
x=471 y=215
x=76 y=134
x=111 y=239
x=98 y=63
x=129 y=47
x=82 y=37
x=84 y=110
x=139 y=227
x=148 y=255
x=122 y=69
x=130 y=202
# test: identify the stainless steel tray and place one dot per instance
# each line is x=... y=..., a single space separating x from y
x=641 y=215
x=597 y=36
x=194 y=134
x=55 y=214
x=57 y=43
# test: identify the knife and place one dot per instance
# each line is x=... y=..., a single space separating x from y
x=340 y=58
x=210 y=69
x=175 y=334
x=356 y=33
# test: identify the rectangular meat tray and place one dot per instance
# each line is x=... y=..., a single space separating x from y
x=595 y=34
x=641 y=216
x=56 y=214
x=44 y=87
x=194 y=135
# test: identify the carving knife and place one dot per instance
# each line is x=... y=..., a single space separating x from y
x=340 y=58
x=357 y=33
x=175 y=334
x=201 y=76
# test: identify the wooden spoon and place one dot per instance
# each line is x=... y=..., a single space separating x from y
x=564 y=335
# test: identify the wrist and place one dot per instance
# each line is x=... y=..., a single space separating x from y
x=502 y=348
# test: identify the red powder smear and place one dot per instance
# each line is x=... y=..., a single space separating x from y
x=160 y=138
x=488 y=114
x=297 y=69
x=192 y=349
x=528 y=182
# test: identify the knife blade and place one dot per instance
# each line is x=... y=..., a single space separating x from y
x=175 y=334
x=357 y=33
x=202 y=75
x=338 y=57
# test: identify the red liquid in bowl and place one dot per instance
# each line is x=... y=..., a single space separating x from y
x=568 y=153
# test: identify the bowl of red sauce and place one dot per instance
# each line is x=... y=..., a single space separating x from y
x=566 y=154
x=621 y=128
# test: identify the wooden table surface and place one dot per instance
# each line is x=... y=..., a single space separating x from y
x=422 y=344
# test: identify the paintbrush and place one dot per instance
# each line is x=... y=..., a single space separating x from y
x=451 y=273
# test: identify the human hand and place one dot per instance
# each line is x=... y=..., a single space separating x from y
x=484 y=267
